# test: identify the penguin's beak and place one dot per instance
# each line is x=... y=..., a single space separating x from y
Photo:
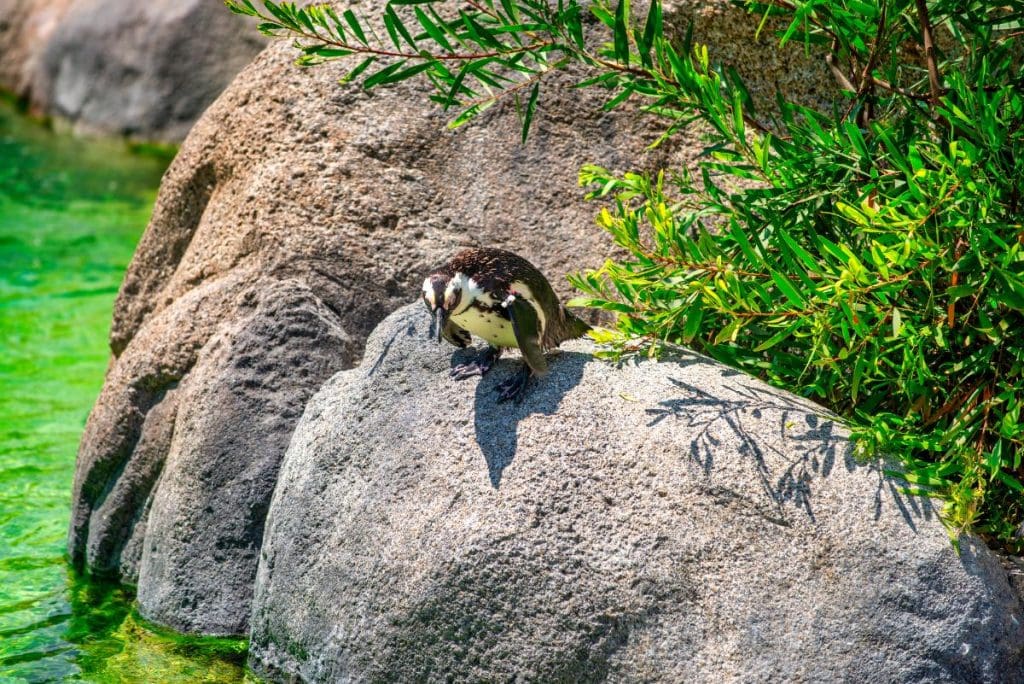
x=440 y=320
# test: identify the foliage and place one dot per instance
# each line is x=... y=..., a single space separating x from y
x=869 y=257
x=494 y=49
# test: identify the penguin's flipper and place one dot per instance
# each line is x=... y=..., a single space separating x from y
x=456 y=335
x=526 y=326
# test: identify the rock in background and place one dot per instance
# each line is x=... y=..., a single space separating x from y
x=297 y=215
x=146 y=70
x=672 y=521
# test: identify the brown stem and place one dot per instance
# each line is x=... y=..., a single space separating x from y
x=445 y=57
x=483 y=9
x=382 y=52
x=929 y=51
x=953 y=404
x=507 y=91
x=902 y=91
x=866 y=79
x=837 y=73
x=866 y=87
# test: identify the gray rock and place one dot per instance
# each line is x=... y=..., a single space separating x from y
x=208 y=510
x=349 y=198
x=671 y=521
x=145 y=70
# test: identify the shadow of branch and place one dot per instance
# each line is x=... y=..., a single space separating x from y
x=814 y=444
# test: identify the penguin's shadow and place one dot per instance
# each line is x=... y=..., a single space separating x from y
x=497 y=425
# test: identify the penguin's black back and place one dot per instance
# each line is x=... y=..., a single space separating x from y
x=495 y=270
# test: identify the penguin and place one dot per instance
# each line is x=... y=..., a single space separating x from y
x=503 y=299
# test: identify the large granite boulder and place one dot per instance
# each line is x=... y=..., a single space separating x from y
x=650 y=521
x=296 y=216
x=144 y=70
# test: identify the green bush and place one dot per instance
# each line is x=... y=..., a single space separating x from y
x=868 y=257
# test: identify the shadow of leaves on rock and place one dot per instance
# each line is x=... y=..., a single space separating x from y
x=496 y=425
x=409 y=330
x=815 y=444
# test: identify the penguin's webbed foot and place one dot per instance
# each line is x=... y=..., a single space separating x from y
x=514 y=388
x=479 y=366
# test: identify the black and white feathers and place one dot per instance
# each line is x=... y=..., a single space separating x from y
x=503 y=299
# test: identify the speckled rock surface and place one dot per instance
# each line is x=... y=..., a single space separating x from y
x=351 y=197
x=25 y=26
x=667 y=521
x=146 y=70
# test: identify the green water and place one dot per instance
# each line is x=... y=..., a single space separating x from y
x=70 y=214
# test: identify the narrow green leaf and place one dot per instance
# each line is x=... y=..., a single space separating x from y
x=331 y=53
x=618 y=99
x=652 y=29
x=433 y=30
x=510 y=10
x=389 y=25
x=574 y=24
x=802 y=254
x=729 y=332
x=778 y=337
x=279 y=12
x=268 y=28
x=404 y=74
x=740 y=238
x=353 y=23
x=595 y=303
x=355 y=73
x=245 y=7
x=786 y=287
x=531 y=107
x=621 y=33
x=305 y=20
x=1010 y=481
x=380 y=76
x=694 y=317
x=603 y=15
x=399 y=26
x=471 y=113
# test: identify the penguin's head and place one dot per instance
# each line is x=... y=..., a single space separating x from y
x=445 y=295
x=435 y=296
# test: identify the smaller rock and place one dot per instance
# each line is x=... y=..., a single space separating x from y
x=672 y=521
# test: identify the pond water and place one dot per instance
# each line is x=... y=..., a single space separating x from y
x=71 y=212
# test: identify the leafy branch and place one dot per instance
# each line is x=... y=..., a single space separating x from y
x=498 y=49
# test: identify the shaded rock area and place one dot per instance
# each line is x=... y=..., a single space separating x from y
x=296 y=216
x=671 y=521
x=145 y=70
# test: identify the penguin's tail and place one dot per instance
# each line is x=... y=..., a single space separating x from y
x=574 y=327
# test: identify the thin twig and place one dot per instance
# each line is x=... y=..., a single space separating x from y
x=837 y=73
x=383 y=52
x=444 y=57
x=929 y=51
x=885 y=85
x=867 y=83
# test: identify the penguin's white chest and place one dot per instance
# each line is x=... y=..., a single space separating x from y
x=487 y=325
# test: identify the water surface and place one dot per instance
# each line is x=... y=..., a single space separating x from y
x=71 y=212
